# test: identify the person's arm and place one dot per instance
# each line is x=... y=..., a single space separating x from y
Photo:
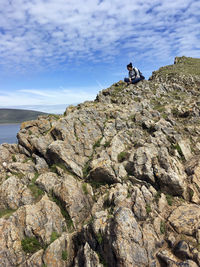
x=131 y=75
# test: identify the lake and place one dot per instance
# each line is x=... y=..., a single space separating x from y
x=8 y=133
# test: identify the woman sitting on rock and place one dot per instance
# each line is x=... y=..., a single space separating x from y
x=134 y=75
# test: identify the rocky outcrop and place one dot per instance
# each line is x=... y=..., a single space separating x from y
x=112 y=182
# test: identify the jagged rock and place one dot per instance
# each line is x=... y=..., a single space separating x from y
x=139 y=206
x=40 y=220
x=155 y=165
x=162 y=203
x=58 y=152
x=185 y=219
x=13 y=194
x=128 y=245
x=171 y=261
x=40 y=164
x=133 y=144
x=75 y=197
x=11 y=253
x=4 y=154
x=102 y=171
x=47 y=181
x=151 y=242
x=185 y=149
x=35 y=260
x=91 y=258
x=18 y=167
x=182 y=250
x=56 y=254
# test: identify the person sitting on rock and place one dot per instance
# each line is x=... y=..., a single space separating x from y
x=134 y=75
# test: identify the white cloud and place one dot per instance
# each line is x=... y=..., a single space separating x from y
x=48 y=96
x=54 y=32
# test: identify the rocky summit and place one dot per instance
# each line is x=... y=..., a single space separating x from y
x=112 y=182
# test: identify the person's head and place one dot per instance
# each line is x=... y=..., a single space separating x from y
x=129 y=66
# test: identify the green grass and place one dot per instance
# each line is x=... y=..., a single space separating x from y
x=169 y=199
x=53 y=167
x=157 y=196
x=99 y=238
x=54 y=236
x=86 y=169
x=122 y=156
x=30 y=244
x=36 y=191
x=148 y=209
x=18 y=174
x=97 y=143
x=162 y=227
x=178 y=148
x=186 y=65
x=64 y=255
x=85 y=190
x=107 y=143
x=55 y=116
x=14 y=158
x=64 y=212
x=6 y=213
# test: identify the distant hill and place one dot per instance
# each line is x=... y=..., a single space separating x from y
x=18 y=115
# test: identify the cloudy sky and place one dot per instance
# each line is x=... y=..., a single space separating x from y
x=55 y=52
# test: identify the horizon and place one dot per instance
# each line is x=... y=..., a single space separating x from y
x=60 y=53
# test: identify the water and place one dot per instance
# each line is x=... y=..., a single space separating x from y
x=8 y=133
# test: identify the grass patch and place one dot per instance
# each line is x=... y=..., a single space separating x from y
x=148 y=209
x=36 y=191
x=86 y=169
x=97 y=143
x=18 y=174
x=64 y=212
x=14 y=158
x=55 y=116
x=53 y=167
x=186 y=65
x=107 y=143
x=64 y=255
x=54 y=236
x=122 y=156
x=162 y=227
x=30 y=244
x=96 y=184
x=6 y=213
x=191 y=193
x=85 y=190
x=177 y=147
x=157 y=196
x=99 y=238
x=169 y=199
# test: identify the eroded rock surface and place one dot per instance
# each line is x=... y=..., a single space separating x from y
x=112 y=182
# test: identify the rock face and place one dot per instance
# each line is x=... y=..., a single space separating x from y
x=113 y=182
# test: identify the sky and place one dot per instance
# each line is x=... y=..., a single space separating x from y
x=59 y=52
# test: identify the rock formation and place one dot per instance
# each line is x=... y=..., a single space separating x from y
x=112 y=182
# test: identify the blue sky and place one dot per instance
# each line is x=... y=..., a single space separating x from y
x=57 y=52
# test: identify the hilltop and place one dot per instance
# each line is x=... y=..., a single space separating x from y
x=112 y=182
x=18 y=115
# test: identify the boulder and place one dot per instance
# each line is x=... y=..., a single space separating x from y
x=186 y=219
x=13 y=194
x=40 y=220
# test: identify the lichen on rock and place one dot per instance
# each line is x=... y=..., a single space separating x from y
x=112 y=182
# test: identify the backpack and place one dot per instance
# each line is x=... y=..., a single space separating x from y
x=140 y=73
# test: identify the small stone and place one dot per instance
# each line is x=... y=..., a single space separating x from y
x=182 y=250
